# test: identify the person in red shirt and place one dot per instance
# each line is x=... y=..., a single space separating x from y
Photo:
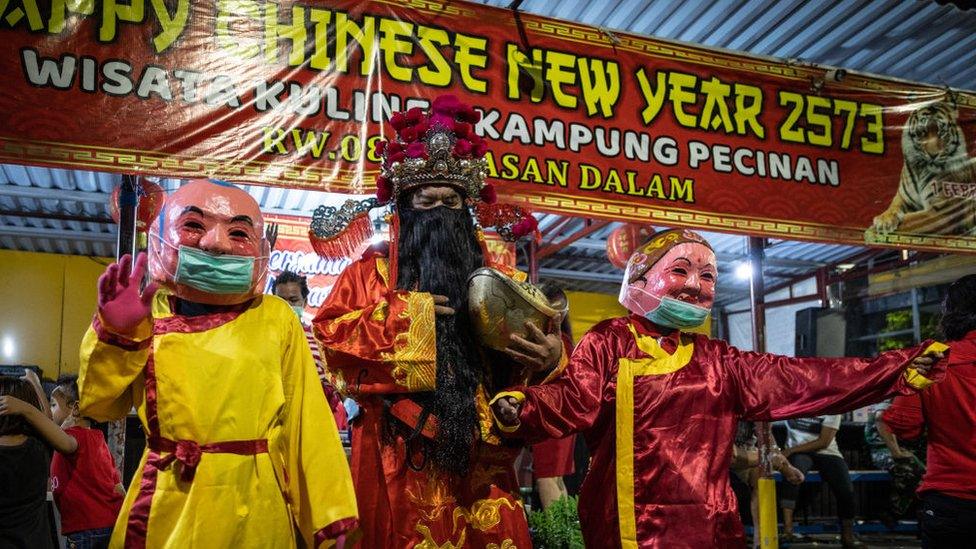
x=87 y=487
x=553 y=459
x=948 y=412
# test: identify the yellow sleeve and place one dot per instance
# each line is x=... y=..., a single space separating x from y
x=320 y=486
x=110 y=374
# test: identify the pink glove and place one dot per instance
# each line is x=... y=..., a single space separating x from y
x=120 y=306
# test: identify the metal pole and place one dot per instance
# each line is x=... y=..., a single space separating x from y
x=757 y=294
x=533 y=262
x=916 y=318
x=125 y=244
x=767 y=533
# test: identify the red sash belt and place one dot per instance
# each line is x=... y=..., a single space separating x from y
x=188 y=452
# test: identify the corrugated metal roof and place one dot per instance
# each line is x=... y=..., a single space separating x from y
x=917 y=40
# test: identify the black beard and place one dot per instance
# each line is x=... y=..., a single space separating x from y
x=437 y=251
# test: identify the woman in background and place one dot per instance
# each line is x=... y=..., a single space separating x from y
x=948 y=412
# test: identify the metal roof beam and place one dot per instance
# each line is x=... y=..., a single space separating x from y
x=40 y=193
x=45 y=232
x=581 y=275
x=56 y=216
x=588 y=228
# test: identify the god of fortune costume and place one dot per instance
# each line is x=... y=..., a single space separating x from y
x=241 y=446
x=658 y=407
x=380 y=344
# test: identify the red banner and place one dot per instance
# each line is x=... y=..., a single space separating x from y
x=580 y=120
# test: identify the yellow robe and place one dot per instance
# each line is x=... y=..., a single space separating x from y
x=207 y=380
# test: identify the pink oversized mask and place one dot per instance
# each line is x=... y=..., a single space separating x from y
x=671 y=280
x=209 y=223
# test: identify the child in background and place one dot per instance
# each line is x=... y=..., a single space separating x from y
x=86 y=484
x=27 y=436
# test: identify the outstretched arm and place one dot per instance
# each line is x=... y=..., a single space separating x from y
x=568 y=404
x=772 y=387
x=49 y=431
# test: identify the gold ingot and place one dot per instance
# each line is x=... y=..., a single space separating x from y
x=499 y=307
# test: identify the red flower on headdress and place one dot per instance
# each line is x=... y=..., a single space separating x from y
x=463 y=148
x=398 y=121
x=488 y=194
x=480 y=146
x=417 y=149
x=462 y=129
x=380 y=147
x=394 y=158
x=408 y=134
x=414 y=115
x=394 y=147
x=384 y=190
x=468 y=114
x=421 y=128
x=527 y=225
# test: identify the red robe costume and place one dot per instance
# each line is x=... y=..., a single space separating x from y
x=379 y=342
x=660 y=417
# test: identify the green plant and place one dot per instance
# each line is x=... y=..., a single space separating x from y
x=557 y=527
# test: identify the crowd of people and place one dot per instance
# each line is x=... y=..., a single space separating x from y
x=242 y=399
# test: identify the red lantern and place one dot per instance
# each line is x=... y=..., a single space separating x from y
x=151 y=197
x=624 y=240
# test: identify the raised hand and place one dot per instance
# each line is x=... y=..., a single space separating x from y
x=541 y=352
x=271 y=234
x=506 y=409
x=120 y=305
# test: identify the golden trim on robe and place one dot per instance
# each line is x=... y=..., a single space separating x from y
x=659 y=363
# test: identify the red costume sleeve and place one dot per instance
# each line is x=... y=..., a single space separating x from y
x=905 y=417
x=775 y=387
x=570 y=402
x=376 y=339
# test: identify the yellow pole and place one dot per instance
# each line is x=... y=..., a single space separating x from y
x=767 y=534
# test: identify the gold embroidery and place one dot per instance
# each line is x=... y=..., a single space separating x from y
x=431 y=498
x=415 y=355
x=484 y=514
x=485 y=418
x=429 y=542
x=379 y=313
x=383 y=266
x=660 y=361
x=507 y=544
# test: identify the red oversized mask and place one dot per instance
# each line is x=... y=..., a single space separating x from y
x=671 y=280
x=207 y=245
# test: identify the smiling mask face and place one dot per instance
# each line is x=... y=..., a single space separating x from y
x=671 y=280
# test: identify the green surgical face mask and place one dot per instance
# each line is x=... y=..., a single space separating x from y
x=674 y=313
x=298 y=310
x=215 y=274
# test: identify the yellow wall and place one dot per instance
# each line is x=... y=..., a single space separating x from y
x=586 y=309
x=47 y=302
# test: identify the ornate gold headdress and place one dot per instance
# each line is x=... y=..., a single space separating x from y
x=439 y=146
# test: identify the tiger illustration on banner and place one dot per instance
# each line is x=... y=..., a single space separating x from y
x=937 y=190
